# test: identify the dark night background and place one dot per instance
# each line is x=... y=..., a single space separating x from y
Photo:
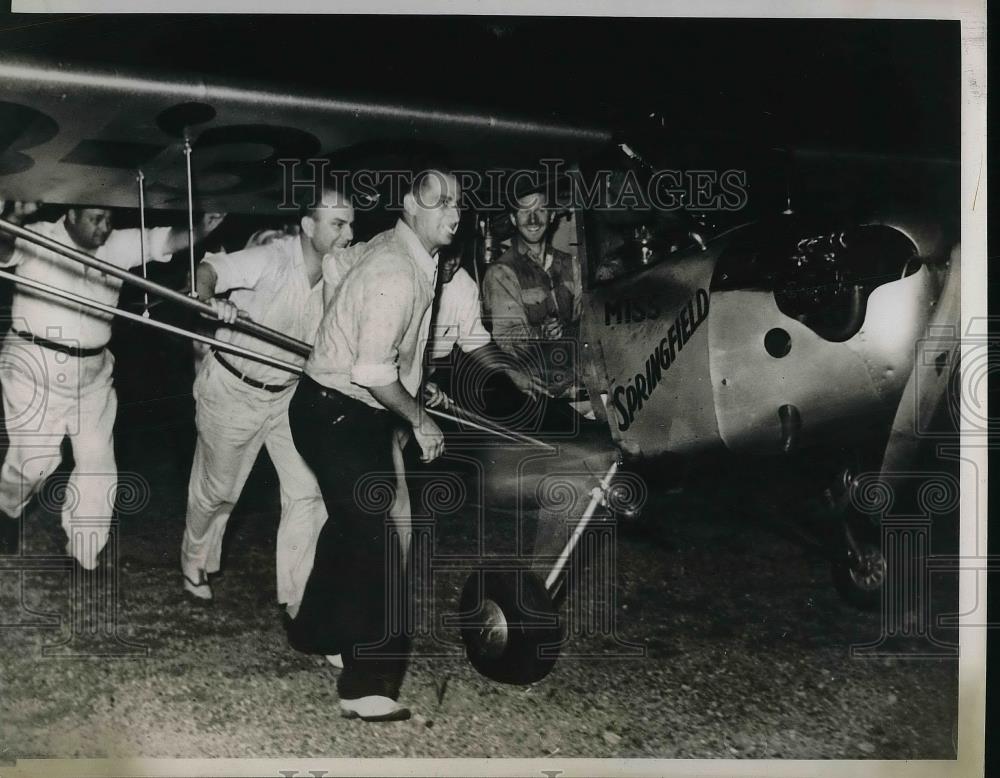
x=873 y=86
x=879 y=88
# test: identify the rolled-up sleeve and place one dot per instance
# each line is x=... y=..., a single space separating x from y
x=383 y=317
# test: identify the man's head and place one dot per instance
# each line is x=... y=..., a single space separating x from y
x=329 y=225
x=89 y=228
x=430 y=208
x=530 y=215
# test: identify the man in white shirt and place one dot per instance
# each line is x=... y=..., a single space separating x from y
x=242 y=405
x=55 y=368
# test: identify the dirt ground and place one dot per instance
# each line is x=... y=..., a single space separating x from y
x=708 y=636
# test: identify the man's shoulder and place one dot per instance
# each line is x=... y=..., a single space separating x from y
x=375 y=262
x=276 y=251
x=509 y=257
x=48 y=229
x=503 y=264
x=25 y=250
x=385 y=252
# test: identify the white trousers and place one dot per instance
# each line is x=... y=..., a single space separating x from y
x=48 y=395
x=234 y=420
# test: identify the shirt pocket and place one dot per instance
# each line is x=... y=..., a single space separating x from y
x=534 y=296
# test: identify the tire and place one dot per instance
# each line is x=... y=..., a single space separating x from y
x=860 y=581
x=510 y=626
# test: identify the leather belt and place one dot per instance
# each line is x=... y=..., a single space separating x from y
x=62 y=348
x=247 y=379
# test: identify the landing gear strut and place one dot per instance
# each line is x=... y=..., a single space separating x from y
x=509 y=619
x=859 y=567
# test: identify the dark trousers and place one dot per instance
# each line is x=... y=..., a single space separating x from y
x=354 y=599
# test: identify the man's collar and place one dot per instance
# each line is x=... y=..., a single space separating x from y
x=409 y=238
x=299 y=257
x=298 y=253
x=521 y=248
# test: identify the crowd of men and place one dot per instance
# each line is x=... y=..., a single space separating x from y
x=379 y=314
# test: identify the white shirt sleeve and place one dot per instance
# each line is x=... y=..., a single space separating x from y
x=241 y=269
x=23 y=248
x=123 y=247
x=382 y=317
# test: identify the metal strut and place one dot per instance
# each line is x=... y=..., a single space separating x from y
x=140 y=178
x=187 y=159
x=459 y=415
x=463 y=417
x=244 y=325
x=154 y=323
x=596 y=498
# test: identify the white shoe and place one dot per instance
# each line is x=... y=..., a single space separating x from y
x=87 y=561
x=335 y=660
x=374 y=708
x=197 y=585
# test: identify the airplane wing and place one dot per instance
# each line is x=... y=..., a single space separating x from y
x=70 y=134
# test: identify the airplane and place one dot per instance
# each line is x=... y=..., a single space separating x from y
x=805 y=329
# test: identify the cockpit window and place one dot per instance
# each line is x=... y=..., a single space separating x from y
x=635 y=215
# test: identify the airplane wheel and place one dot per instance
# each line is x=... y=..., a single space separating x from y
x=510 y=626
x=859 y=580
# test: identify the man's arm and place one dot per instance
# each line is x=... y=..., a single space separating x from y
x=387 y=304
x=125 y=248
x=19 y=213
x=177 y=238
x=427 y=433
x=206 y=280
x=491 y=359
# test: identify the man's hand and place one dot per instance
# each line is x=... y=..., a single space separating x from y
x=434 y=397
x=529 y=383
x=210 y=221
x=395 y=397
x=225 y=311
x=429 y=438
x=21 y=211
x=552 y=328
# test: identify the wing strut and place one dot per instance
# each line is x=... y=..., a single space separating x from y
x=140 y=178
x=193 y=303
x=458 y=415
x=190 y=188
x=154 y=323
